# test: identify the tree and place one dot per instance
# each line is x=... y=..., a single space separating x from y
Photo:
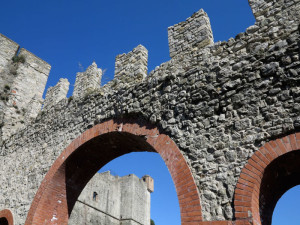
x=152 y=222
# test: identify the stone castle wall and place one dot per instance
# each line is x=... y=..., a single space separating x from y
x=218 y=103
x=23 y=78
x=113 y=200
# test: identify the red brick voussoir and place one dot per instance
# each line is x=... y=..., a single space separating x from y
x=6 y=213
x=248 y=189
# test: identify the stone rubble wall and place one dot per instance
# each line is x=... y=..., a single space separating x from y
x=57 y=93
x=194 y=33
x=268 y=8
x=117 y=200
x=88 y=81
x=219 y=104
x=133 y=64
x=22 y=85
x=8 y=50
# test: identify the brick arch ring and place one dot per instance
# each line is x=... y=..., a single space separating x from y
x=94 y=148
x=268 y=174
x=7 y=215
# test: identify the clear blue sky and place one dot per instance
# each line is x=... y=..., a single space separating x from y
x=69 y=33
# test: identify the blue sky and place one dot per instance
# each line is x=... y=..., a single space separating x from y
x=71 y=34
x=66 y=33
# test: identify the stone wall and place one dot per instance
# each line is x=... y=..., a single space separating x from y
x=88 y=81
x=133 y=64
x=23 y=77
x=113 y=200
x=57 y=93
x=194 y=33
x=219 y=104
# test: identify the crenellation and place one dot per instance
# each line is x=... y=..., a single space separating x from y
x=194 y=33
x=23 y=80
x=88 y=81
x=133 y=65
x=56 y=93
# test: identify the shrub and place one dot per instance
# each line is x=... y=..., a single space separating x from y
x=18 y=59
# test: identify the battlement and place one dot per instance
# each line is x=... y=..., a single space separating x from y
x=194 y=33
x=56 y=93
x=87 y=81
x=134 y=63
x=23 y=78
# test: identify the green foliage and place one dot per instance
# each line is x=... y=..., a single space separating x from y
x=70 y=99
x=18 y=59
x=6 y=87
x=152 y=222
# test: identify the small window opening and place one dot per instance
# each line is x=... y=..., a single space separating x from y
x=95 y=196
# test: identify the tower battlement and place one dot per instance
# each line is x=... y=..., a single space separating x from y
x=23 y=78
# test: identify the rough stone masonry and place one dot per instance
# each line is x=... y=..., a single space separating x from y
x=219 y=102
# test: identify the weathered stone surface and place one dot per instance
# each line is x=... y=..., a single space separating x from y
x=112 y=200
x=219 y=104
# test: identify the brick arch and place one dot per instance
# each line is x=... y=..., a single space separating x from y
x=270 y=172
x=94 y=148
x=6 y=217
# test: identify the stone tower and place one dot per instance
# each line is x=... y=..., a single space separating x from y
x=113 y=200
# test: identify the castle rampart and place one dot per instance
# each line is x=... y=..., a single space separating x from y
x=219 y=105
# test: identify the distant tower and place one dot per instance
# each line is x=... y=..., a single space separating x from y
x=113 y=200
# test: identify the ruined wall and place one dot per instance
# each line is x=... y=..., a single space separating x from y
x=113 y=200
x=219 y=104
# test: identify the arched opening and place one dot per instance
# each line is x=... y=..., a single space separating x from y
x=161 y=205
x=164 y=195
x=6 y=217
x=97 y=146
x=268 y=174
x=3 y=221
x=287 y=208
x=280 y=175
